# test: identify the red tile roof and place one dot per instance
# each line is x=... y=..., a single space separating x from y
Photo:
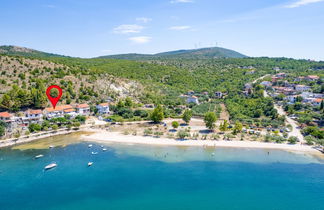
x=69 y=110
x=82 y=106
x=36 y=111
x=58 y=108
x=5 y=114
x=103 y=104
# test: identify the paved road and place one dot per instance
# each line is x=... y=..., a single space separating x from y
x=295 y=130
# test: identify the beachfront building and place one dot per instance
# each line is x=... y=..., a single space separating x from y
x=6 y=117
x=83 y=109
x=103 y=108
x=33 y=116
x=71 y=112
x=57 y=112
x=312 y=78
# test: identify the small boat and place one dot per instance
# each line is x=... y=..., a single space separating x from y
x=104 y=149
x=101 y=146
x=94 y=153
x=39 y=156
x=50 y=166
x=90 y=145
x=51 y=146
x=90 y=164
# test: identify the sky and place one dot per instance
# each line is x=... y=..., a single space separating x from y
x=90 y=28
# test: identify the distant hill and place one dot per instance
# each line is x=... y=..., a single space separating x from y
x=203 y=53
x=23 y=51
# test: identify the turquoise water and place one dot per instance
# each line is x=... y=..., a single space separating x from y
x=150 y=177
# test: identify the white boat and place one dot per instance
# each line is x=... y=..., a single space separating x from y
x=90 y=145
x=51 y=146
x=94 y=153
x=104 y=149
x=90 y=163
x=101 y=146
x=50 y=166
x=39 y=156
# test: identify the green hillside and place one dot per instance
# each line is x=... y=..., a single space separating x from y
x=203 y=53
x=23 y=51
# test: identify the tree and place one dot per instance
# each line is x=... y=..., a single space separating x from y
x=292 y=140
x=2 y=128
x=187 y=116
x=33 y=127
x=157 y=115
x=238 y=127
x=128 y=102
x=224 y=126
x=210 y=119
x=175 y=124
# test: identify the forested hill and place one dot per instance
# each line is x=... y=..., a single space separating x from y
x=27 y=52
x=203 y=53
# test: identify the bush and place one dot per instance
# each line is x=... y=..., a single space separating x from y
x=182 y=134
x=293 y=140
x=148 y=132
x=175 y=124
x=33 y=127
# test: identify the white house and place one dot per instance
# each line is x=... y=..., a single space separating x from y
x=266 y=83
x=218 y=94
x=83 y=109
x=302 y=88
x=192 y=99
x=103 y=108
x=57 y=112
x=291 y=98
x=33 y=116
x=72 y=112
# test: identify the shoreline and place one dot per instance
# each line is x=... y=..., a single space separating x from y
x=33 y=137
x=115 y=137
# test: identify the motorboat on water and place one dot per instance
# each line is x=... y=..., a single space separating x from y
x=90 y=164
x=94 y=153
x=90 y=145
x=51 y=146
x=39 y=156
x=50 y=166
x=104 y=149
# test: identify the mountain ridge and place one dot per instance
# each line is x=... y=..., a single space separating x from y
x=201 y=53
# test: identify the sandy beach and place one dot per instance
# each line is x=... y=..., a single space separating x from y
x=115 y=137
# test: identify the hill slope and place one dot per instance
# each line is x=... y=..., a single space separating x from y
x=203 y=53
x=23 y=51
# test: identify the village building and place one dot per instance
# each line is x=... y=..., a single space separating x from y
x=32 y=116
x=312 y=78
x=192 y=99
x=6 y=117
x=317 y=101
x=266 y=83
x=71 y=112
x=103 y=108
x=219 y=94
x=83 y=109
x=57 y=112
x=302 y=88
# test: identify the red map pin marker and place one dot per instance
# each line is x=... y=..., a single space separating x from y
x=53 y=100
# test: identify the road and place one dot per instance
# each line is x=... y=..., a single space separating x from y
x=295 y=130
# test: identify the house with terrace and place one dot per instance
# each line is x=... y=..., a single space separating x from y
x=83 y=109
x=103 y=108
x=57 y=112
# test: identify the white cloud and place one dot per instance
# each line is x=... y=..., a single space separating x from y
x=301 y=3
x=179 y=28
x=181 y=1
x=144 y=19
x=127 y=29
x=140 y=39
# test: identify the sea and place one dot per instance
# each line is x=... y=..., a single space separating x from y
x=144 y=177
